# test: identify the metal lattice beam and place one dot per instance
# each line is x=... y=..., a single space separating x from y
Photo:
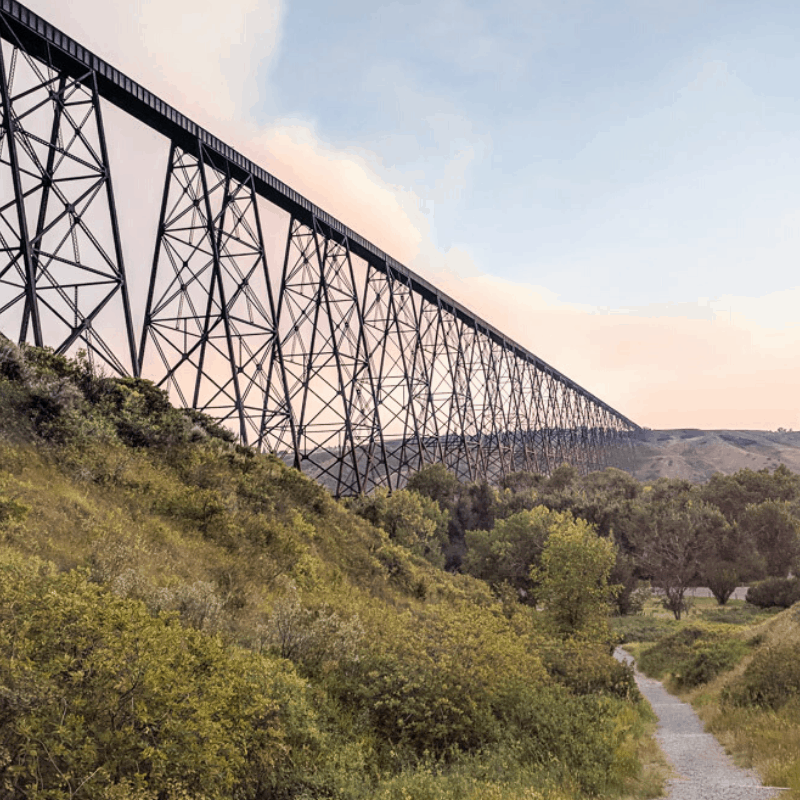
x=61 y=267
x=210 y=310
x=346 y=364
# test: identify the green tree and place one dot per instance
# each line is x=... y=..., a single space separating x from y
x=436 y=482
x=573 y=580
x=521 y=481
x=674 y=539
x=474 y=509
x=730 y=559
x=773 y=529
x=506 y=553
x=518 y=491
x=609 y=499
x=732 y=494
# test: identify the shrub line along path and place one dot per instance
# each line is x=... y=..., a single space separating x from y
x=704 y=770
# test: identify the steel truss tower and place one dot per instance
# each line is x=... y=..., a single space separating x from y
x=340 y=360
x=61 y=268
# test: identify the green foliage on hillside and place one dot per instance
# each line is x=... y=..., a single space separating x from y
x=181 y=617
x=102 y=699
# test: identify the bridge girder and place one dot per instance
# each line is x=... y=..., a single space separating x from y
x=346 y=364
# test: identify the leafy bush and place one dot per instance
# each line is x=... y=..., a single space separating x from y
x=780 y=592
x=312 y=636
x=641 y=628
x=144 y=416
x=429 y=683
x=693 y=655
x=573 y=736
x=409 y=518
x=589 y=670
x=99 y=694
x=707 y=660
x=671 y=652
x=210 y=426
x=11 y=511
x=12 y=362
x=771 y=679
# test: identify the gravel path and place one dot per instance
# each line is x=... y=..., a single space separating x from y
x=704 y=771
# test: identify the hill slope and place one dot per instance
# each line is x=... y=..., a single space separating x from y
x=696 y=455
x=181 y=617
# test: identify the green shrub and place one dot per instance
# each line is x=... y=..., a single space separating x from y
x=298 y=490
x=410 y=519
x=97 y=693
x=201 y=509
x=641 y=628
x=707 y=660
x=586 y=669
x=429 y=682
x=693 y=655
x=47 y=363
x=11 y=511
x=574 y=737
x=210 y=426
x=671 y=652
x=780 y=592
x=12 y=362
x=312 y=636
x=770 y=680
x=722 y=577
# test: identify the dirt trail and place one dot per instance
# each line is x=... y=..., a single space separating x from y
x=703 y=770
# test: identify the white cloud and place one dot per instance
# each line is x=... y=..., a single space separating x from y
x=712 y=75
x=194 y=54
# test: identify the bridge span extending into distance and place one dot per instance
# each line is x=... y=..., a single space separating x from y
x=333 y=355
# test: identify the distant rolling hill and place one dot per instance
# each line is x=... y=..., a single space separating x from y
x=696 y=455
x=681 y=453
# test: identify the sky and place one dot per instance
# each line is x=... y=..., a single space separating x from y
x=615 y=185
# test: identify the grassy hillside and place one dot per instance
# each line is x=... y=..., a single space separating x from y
x=183 y=618
x=695 y=455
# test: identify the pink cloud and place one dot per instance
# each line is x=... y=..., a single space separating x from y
x=661 y=371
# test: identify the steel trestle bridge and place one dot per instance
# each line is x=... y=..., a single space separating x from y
x=346 y=364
